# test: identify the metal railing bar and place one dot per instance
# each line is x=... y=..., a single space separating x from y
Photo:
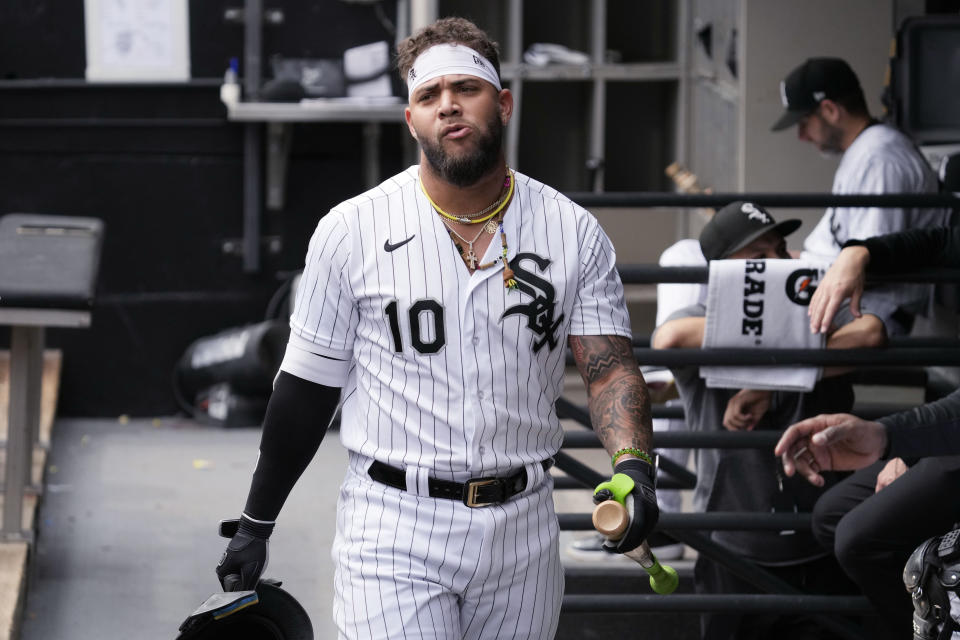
x=818 y=357
x=672 y=523
x=896 y=342
x=872 y=357
x=654 y=274
x=754 y=574
x=741 y=602
x=686 y=478
x=867 y=411
x=686 y=439
x=571 y=411
x=676 y=525
x=578 y=470
x=664 y=482
x=798 y=200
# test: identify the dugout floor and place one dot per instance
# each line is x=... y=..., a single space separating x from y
x=126 y=532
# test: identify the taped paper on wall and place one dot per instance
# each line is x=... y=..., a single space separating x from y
x=137 y=40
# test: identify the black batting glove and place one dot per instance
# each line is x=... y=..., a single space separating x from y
x=633 y=484
x=246 y=555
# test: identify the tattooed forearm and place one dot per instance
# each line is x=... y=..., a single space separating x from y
x=618 y=399
x=598 y=356
x=620 y=413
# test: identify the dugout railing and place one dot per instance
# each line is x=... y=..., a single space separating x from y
x=688 y=528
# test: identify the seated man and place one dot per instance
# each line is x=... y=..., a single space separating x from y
x=871 y=522
x=751 y=479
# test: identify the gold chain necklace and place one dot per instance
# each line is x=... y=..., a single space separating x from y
x=475 y=218
x=468 y=254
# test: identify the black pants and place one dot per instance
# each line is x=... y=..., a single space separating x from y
x=873 y=534
x=818 y=577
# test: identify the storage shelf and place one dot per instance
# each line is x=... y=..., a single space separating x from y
x=631 y=72
x=315 y=111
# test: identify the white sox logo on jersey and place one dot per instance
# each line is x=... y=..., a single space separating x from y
x=540 y=310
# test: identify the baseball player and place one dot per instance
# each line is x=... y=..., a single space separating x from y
x=437 y=307
x=823 y=98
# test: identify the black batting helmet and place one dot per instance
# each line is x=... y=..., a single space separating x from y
x=269 y=613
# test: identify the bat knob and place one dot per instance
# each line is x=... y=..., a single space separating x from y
x=602 y=496
x=663 y=579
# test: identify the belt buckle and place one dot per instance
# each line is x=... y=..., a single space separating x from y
x=472 y=486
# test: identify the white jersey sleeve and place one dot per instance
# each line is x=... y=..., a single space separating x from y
x=324 y=319
x=599 y=307
x=675 y=296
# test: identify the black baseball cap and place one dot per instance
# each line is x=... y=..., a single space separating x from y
x=816 y=79
x=737 y=225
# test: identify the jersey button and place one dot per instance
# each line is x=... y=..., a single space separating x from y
x=480 y=394
x=482 y=450
x=475 y=341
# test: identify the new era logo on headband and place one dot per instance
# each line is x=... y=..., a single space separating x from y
x=477 y=60
x=412 y=75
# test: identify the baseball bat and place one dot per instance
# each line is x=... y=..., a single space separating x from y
x=611 y=519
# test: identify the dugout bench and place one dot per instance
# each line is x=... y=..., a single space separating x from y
x=48 y=272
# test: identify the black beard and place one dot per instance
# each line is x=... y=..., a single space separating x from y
x=833 y=138
x=466 y=170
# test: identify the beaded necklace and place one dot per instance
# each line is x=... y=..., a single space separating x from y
x=469 y=255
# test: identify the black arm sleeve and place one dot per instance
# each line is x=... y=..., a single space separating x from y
x=912 y=249
x=931 y=429
x=297 y=418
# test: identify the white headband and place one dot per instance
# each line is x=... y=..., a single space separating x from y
x=443 y=59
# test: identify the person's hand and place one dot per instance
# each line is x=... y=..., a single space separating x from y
x=633 y=486
x=830 y=442
x=844 y=279
x=246 y=556
x=746 y=408
x=890 y=472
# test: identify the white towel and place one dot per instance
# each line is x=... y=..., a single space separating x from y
x=761 y=304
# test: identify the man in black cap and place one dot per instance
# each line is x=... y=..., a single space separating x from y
x=751 y=480
x=822 y=97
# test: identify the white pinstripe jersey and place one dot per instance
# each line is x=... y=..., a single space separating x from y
x=444 y=369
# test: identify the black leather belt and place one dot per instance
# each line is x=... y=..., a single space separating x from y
x=475 y=492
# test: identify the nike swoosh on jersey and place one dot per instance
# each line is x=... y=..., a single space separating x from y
x=393 y=247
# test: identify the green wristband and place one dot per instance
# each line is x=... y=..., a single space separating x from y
x=640 y=453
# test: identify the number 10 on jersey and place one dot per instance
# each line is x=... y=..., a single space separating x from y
x=426 y=320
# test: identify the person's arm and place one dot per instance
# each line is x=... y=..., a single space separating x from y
x=910 y=249
x=620 y=413
x=830 y=442
x=843 y=442
x=865 y=332
x=679 y=333
x=617 y=395
x=296 y=421
x=928 y=430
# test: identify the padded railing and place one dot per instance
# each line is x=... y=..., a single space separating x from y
x=687 y=527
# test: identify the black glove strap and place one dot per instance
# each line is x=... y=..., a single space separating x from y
x=634 y=467
x=255 y=529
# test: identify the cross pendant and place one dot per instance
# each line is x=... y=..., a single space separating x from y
x=471 y=258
